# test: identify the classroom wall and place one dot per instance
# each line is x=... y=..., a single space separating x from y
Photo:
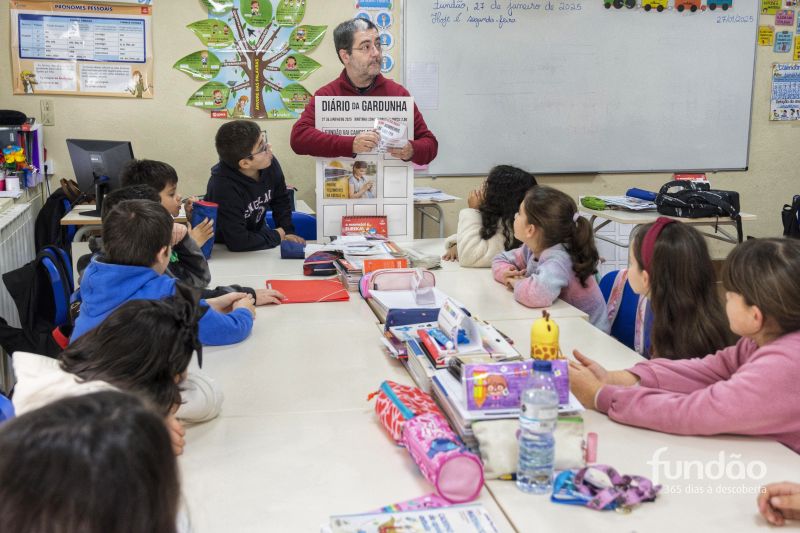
x=166 y=129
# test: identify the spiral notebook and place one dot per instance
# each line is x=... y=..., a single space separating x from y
x=299 y=291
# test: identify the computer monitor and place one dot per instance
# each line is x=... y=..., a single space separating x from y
x=98 y=166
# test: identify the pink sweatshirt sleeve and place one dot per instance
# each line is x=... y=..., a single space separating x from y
x=688 y=375
x=743 y=402
x=542 y=288
x=506 y=261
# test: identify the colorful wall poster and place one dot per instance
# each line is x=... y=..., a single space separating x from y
x=783 y=42
x=255 y=58
x=373 y=183
x=766 y=35
x=785 y=99
x=784 y=17
x=81 y=48
x=796 y=56
x=770 y=7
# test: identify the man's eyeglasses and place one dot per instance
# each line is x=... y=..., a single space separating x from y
x=366 y=48
x=262 y=150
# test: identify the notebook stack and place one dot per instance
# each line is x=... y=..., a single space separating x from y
x=349 y=273
x=451 y=396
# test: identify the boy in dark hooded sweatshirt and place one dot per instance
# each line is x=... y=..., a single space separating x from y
x=246 y=183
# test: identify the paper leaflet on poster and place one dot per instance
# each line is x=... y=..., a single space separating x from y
x=393 y=134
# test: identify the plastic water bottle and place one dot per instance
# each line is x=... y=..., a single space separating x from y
x=537 y=422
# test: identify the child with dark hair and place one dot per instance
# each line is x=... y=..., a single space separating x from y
x=115 y=355
x=669 y=264
x=98 y=463
x=246 y=183
x=187 y=262
x=486 y=227
x=558 y=257
x=136 y=252
x=731 y=391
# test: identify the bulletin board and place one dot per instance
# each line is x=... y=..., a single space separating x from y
x=82 y=48
x=568 y=86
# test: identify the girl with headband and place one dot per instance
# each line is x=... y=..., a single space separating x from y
x=734 y=390
x=669 y=264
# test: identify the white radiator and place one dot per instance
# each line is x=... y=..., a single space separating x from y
x=16 y=249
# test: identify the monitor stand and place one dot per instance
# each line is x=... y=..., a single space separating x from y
x=100 y=189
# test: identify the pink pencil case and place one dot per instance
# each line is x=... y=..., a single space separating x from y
x=455 y=472
x=393 y=279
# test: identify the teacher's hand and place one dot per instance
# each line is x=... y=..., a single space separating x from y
x=405 y=153
x=366 y=141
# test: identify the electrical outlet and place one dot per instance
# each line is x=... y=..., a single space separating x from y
x=48 y=113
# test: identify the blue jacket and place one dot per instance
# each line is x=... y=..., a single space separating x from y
x=106 y=286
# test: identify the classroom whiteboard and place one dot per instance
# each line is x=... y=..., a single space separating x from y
x=569 y=86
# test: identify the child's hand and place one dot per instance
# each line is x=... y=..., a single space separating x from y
x=475 y=198
x=188 y=204
x=583 y=384
x=294 y=238
x=510 y=275
x=224 y=303
x=779 y=502
x=451 y=254
x=593 y=366
x=268 y=296
x=202 y=232
x=176 y=434
x=246 y=302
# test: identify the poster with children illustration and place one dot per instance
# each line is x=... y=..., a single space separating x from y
x=785 y=100
x=371 y=184
x=82 y=48
x=255 y=58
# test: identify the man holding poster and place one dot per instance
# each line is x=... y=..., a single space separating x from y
x=359 y=49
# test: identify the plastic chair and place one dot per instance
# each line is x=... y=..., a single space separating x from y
x=624 y=327
x=6 y=409
x=305 y=225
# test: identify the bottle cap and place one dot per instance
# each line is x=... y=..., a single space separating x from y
x=542 y=366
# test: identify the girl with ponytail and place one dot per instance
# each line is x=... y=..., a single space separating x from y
x=558 y=257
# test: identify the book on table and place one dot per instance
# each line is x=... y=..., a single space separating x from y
x=465 y=518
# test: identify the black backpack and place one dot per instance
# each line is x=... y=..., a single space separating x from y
x=41 y=291
x=791 y=218
x=698 y=200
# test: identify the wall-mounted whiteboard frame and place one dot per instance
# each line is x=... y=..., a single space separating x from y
x=600 y=90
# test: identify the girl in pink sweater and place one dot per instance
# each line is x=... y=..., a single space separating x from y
x=734 y=389
x=558 y=258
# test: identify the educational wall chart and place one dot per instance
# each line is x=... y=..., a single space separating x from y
x=785 y=100
x=255 y=58
x=83 y=48
x=371 y=184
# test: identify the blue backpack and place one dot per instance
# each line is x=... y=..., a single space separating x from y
x=41 y=290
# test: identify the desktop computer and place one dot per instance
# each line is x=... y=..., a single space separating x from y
x=98 y=166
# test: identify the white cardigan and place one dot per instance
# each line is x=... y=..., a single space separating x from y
x=41 y=381
x=473 y=251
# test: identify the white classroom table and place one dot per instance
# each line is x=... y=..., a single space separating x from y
x=718 y=225
x=629 y=449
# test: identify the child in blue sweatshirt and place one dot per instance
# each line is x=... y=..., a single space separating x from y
x=136 y=246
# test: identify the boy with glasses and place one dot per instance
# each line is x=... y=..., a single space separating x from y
x=358 y=47
x=246 y=183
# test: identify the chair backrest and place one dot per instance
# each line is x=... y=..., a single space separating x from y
x=305 y=225
x=6 y=409
x=623 y=327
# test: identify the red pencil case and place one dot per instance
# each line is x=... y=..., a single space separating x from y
x=398 y=403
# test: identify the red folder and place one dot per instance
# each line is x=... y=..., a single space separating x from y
x=298 y=291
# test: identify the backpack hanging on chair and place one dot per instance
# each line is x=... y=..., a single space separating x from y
x=41 y=290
